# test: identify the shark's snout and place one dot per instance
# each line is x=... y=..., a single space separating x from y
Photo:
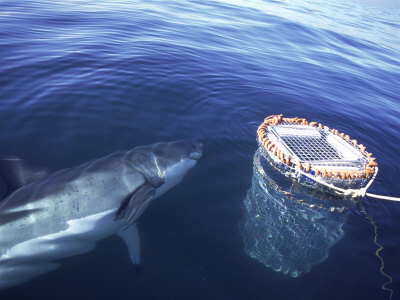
x=197 y=151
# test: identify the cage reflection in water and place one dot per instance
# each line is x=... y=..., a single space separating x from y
x=286 y=226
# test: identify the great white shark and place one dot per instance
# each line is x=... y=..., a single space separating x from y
x=49 y=215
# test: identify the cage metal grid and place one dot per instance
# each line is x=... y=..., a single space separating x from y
x=317 y=146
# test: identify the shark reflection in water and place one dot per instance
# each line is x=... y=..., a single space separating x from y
x=289 y=227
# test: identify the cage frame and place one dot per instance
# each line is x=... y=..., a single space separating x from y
x=338 y=176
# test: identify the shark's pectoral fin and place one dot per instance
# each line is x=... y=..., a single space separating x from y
x=132 y=241
x=134 y=205
x=18 y=172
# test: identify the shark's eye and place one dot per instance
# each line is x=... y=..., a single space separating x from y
x=160 y=151
x=140 y=157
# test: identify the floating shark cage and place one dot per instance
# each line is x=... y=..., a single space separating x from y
x=317 y=156
x=290 y=222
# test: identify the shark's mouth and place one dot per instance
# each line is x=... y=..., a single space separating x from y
x=198 y=151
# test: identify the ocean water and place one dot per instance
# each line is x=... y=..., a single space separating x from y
x=81 y=79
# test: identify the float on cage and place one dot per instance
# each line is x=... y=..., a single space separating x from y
x=317 y=156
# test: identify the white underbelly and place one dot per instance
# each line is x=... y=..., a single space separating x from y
x=29 y=258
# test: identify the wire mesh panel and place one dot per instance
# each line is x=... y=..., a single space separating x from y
x=308 y=147
x=312 y=145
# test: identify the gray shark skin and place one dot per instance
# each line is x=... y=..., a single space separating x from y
x=47 y=216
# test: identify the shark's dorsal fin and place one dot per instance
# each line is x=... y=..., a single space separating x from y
x=18 y=172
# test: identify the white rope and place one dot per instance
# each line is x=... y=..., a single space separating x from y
x=383 y=197
x=348 y=192
x=355 y=193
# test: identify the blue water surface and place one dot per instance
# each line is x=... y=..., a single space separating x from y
x=80 y=79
